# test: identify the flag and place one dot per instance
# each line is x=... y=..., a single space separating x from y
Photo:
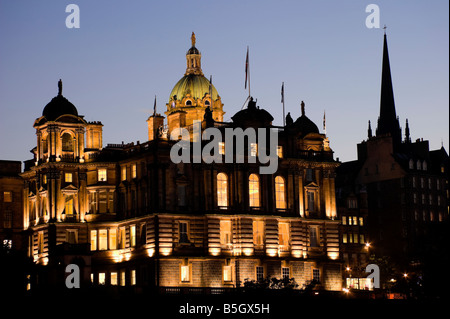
x=246 y=69
x=282 y=93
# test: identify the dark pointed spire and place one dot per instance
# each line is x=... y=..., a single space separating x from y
x=387 y=121
x=369 y=131
x=407 y=137
x=303 y=108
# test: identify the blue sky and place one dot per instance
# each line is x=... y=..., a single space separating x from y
x=126 y=52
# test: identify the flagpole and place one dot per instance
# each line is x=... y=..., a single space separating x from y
x=282 y=98
x=248 y=75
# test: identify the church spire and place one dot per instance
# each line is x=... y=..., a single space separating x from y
x=369 y=131
x=407 y=136
x=387 y=121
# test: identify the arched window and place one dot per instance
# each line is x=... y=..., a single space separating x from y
x=424 y=165
x=280 y=193
x=419 y=166
x=188 y=103
x=222 y=190
x=67 y=145
x=207 y=103
x=253 y=191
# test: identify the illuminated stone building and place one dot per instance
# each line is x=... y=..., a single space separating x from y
x=400 y=190
x=127 y=215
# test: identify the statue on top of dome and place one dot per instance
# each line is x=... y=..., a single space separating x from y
x=193 y=39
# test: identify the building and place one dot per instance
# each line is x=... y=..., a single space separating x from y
x=405 y=186
x=129 y=216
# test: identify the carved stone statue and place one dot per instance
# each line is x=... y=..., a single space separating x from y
x=193 y=39
x=289 y=120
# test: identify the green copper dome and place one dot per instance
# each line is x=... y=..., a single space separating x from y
x=195 y=85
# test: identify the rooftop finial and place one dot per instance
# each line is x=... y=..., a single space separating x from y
x=59 y=87
x=193 y=39
x=303 y=108
x=384 y=28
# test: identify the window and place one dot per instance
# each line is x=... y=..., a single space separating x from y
x=280 y=193
x=103 y=239
x=181 y=191
x=258 y=232
x=222 y=190
x=285 y=272
x=344 y=238
x=344 y=220
x=133 y=277
x=259 y=273
x=133 y=235
x=40 y=242
x=309 y=174
x=423 y=199
x=316 y=274
x=253 y=189
x=283 y=234
x=72 y=236
x=253 y=149
x=69 y=206
x=419 y=165
x=414 y=182
x=221 y=148
x=122 y=238
x=424 y=165
x=227 y=273
x=102 y=175
x=7 y=197
x=133 y=171
x=7 y=219
x=355 y=238
x=422 y=182
x=280 y=151
x=113 y=279
x=310 y=200
x=361 y=238
x=411 y=164
x=44 y=179
x=189 y=102
x=438 y=185
x=355 y=220
x=68 y=177
x=101 y=278
x=102 y=201
x=122 y=278
x=123 y=173
x=93 y=239
x=185 y=273
x=183 y=232
x=225 y=232
x=67 y=145
x=313 y=237
x=352 y=203
x=415 y=198
x=430 y=199
x=112 y=238
x=361 y=221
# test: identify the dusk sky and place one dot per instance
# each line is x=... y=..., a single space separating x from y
x=126 y=52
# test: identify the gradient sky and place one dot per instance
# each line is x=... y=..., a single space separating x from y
x=126 y=52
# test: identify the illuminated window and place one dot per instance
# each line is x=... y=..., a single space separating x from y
x=185 y=273
x=361 y=221
x=122 y=238
x=344 y=238
x=69 y=206
x=183 y=232
x=355 y=238
x=112 y=238
x=7 y=197
x=68 y=177
x=93 y=240
x=133 y=171
x=344 y=220
x=101 y=278
x=280 y=151
x=253 y=149
x=122 y=278
x=227 y=273
x=225 y=232
x=316 y=274
x=253 y=189
x=102 y=175
x=283 y=234
x=313 y=236
x=222 y=190
x=355 y=220
x=280 y=193
x=123 y=173
x=44 y=179
x=361 y=238
x=133 y=235
x=113 y=279
x=258 y=232
x=221 y=148
x=102 y=239
x=133 y=277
